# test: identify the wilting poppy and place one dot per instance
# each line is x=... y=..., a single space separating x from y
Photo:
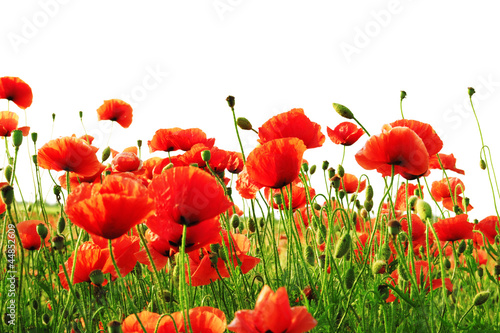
x=454 y=228
x=400 y=147
x=69 y=154
x=273 y=313
x=345 y=133
x=440 y=191
x=89 y=257
x=299 y=195
x=116 y=110
x=204 y=272
x=488 y=226
x=276 y=163
x=350 y=183
x=429 y=137
x=109 y=209
x=292 y=124
x=16 y=90
x=176 y=138
x=187 y=196
x=8 y=123
x=29 y=237
x=448 y=162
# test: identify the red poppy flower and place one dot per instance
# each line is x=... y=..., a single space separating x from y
x=8 y=123
x=246 y=186
x=159 y=249
x=187 y=196
x=203 y=272
x=401 y=199
x=292 y=124
x=29 y=237
x=109 y=209
x=304 y=216
x=126 y=162
x=172 y=139
x=89 y=257
x=448 y=161
x=454 y=228
x=148 y=320
x=149 y=165
x=235 y=162
x=400 y=147
x=16 y=90
x=488 y=226
x=345 y=133
x=441 y=192
x=218 y=157
x=299 y=195
x=431 y=140
x=69 y=154
x=116 y=110
x=276 y=163
x=76 y=179
x=124 y=249
x=350 y=183
x=273 y=313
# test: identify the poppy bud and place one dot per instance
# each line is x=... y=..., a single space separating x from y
x=195 y=165
x=343 y=246
x=322 y=261
x=462 y=246
x=394 y=227
x=222 y=254
x=378 y=267
x=278 y=199
x=17 y=138
x=403 y=273
x=230 y=101
x=53 y=117
x=403 y=94
x=496 y=270
x=358 y=204
x=106 y=153
x=457 y=210
x=383 y=290
x=312 y=169
x=349 y=278
x=214 y=258
x=261 y=222
x=482 y=164
x=369 y=193
x=466 y=202
x=447 y=263
x=34 y=304
x=57 y=190
x=480 y=272
x=340 y=171
x=343 y=111
x=364 y=213
x=354 y=218
x=235 y=221
x=61 y=225
x=7 y=194
x=336 y=182
x=342 y=194
x=97 y=277
x=214 y=247
x=368 y=205
x=8 y=173
x=34 y=158
x=471 y=91
x=412 y=201
x=11 y=160
x=331 y=173
x=244 y=123
x=481 y=298
x=45 y=319
x=34 y=136
x=305 y=167
x=324 y=166
x=309 y=254
x=251 y=225
x=80 y=114
x=58 y=242
x=320 y=239
x=42 y=230
x=385 y=251
x=423 y=209
x=139 y=143
x=206 y=155
x=114 y=327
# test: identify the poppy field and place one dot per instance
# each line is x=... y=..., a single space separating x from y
x=158 y=244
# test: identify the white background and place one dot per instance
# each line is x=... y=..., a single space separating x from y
x=272 y=56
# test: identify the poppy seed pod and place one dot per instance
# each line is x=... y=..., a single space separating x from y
x=96 y=277
x=481 y=298
x=349 y=278
x=34 y=136
x=423 y=209
x=230 y=101
x=17 y=138
x=343 y=246
x=244 y=123
x=278 y=199
x=312 y=169
x=343 y=111
x=139 y=143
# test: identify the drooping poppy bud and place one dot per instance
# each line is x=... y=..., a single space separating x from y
x=481 y=298
x=343 y=111
x=343 y=246
x=244 y=124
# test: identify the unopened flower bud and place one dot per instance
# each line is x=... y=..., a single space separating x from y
x=139 y=143
x=340 y=171
x=364 y=213
x=7 y=194
x=336 y=181
x=45 y=319
x=34 y=137
x=423 y=209
x=316 y=206
x=34 y=158
x=481 y=298
x=97 y=277
x=194 y=165
x=61 y=225
x=312 y=169
x=58 y=242
x=394 y=227
x=8 y=173
x=206 y=155
x=106 y=153
x=222 y=254
x=278 y=199
x=349 y=278
x=244 y=124
x=309 y=254
x=235 y=221
x=322 y=261
x=383 y=291
x=17 y=138
x=53 y=117
x=447 y=263
x=331 y=173
x=343 y=111
x=42 y=230
x=114 y=327
x=34 y=304
x=325 y=165
x=457 y=210
x=214 y=258
x=471 y=91
x=496 y=270
x=385 y=252
x=403 y=94
x=342 y=194
x=342 y=246
x=230 y=101
x=462 y=246
x=57 y=190
x=482 y=164
x=466 y=202
x=403 y=272
x=261 y=222
x=80 y=114
x=368 y=204
x=480 y=272
x=412 y=201
x=251 y=225
x=378 y=267
x=369 y=193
